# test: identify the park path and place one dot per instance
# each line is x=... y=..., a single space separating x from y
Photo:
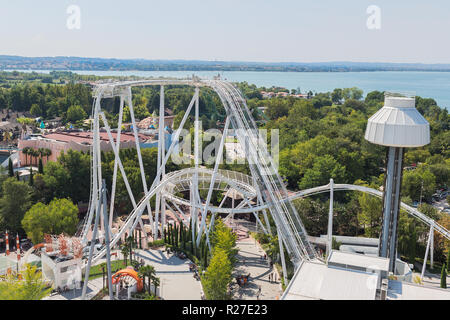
x=94 y=287
x=250 y=260
x=177 y=282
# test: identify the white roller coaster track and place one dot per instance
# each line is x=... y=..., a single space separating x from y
x=272 y=189
x=265 y=181
x=178 y=179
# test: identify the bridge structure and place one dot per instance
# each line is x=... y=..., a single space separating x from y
x=263 y=190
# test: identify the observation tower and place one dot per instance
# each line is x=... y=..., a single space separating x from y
x=397 y=125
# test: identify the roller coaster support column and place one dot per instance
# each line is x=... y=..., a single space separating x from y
x=283 y=261
x=197 y=154
x=193 y=210
x=432 y=247
x=213 y=180
x=260 y=201
x=91 y=250
x=113 y=188
x=138 y=150
x=330 y=221
x=107 y=242
x=168 y=154
x=160 y=203
x=211 y=225
x=430 y=237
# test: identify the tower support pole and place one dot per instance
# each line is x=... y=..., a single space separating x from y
x=330 y=221
x=430 y=236
x=391 y=206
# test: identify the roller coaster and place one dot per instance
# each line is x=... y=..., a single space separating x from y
x=263 y=191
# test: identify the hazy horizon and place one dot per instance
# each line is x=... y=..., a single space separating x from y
x=235 y=31
x=232 y=61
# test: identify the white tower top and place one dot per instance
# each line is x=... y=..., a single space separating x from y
x=398 y=124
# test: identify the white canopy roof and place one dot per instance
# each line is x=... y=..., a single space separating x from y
x=314 y=280
x=398 y=124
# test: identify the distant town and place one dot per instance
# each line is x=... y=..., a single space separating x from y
x=82 y=63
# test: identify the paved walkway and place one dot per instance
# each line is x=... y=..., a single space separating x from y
x=250 y=261
x=94 y=286
x=430 y=279
x=177 y=282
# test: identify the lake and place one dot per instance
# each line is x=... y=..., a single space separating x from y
x=434 y=85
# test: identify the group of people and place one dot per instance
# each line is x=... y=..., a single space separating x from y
x=242 y=279
x=272 y=277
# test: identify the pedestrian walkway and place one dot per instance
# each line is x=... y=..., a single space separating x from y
x=94 y=287
x=251 y=261
x=176 y=281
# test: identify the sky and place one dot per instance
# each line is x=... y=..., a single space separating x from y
x=229 y=30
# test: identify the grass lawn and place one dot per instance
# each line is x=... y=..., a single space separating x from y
x=96 y=271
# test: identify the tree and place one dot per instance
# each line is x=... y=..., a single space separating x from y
x=324 y=168
x=448 y=259
x=370 y=215
x=57 y=181
x=336 y=95
x=31 y=177
x=444 y=277
x=32 y=287
x=313 y=214
x=41 y=167
x=75 y=113
x=156 y=283
x=77 y=166
x=224 y=239
x=60 y=216
x=130 y=243
x=413 y=180
x=15 y=201
x=26 y=151
x=125 y=250
x=35 y=110
x=218 y=276
x=10 y=168
x=103 y=266
x=148 y=272
x=47 y=153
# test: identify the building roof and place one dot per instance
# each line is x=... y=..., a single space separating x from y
x=361 y=241
x=86 y=137
x=358 y=260
x=399 y=290
x=314 y=280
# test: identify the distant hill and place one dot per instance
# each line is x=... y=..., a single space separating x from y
x=78 y=63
